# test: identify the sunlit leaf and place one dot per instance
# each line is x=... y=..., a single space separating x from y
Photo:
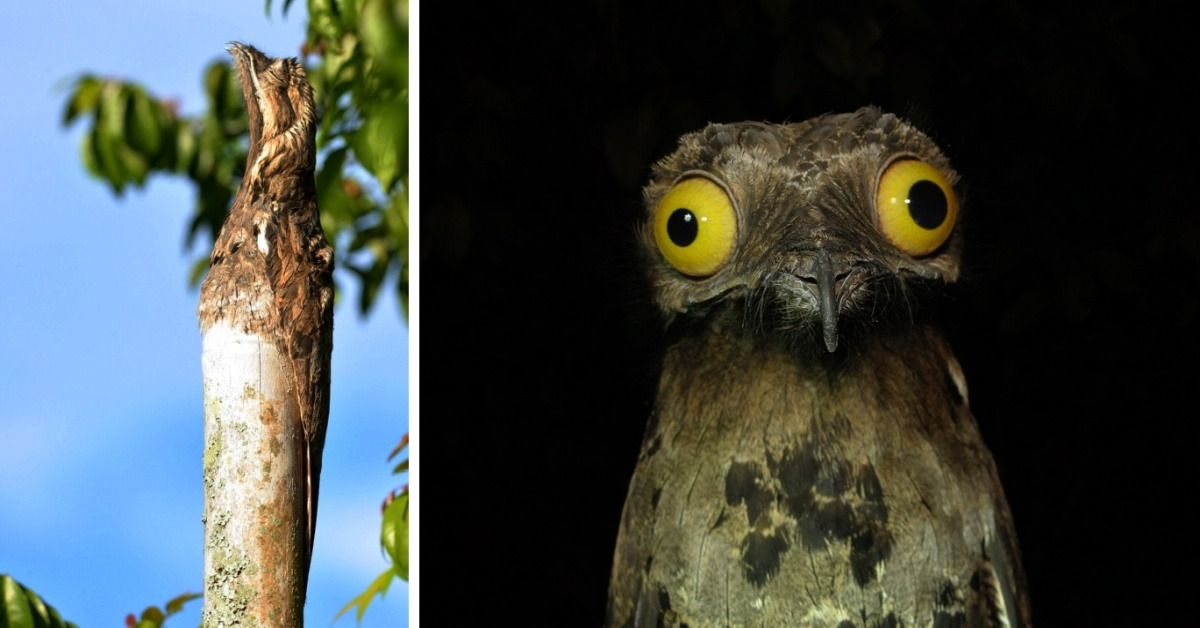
x=186 y=147
x=85 y=98
x=133 y=164
x=22 y=608
x=394 y=534
x=380 y=142
x=153 y=615
x=113 y=100
x=384 y=33
x=175 y=604
x=91 y=160
x=16 y=605
x=108 y=135
x=379 y=587
x=347 y=12
x=323 y=22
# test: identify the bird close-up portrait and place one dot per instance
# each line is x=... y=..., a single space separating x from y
x=807 y=314
x=794 y=473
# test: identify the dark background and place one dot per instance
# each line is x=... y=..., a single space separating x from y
x=1076 y=322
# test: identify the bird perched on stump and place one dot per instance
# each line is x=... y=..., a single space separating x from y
x=271 y=270
x=811 y=458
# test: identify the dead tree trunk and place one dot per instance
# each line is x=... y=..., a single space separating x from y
x=266 y=318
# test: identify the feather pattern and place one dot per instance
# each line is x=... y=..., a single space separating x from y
x=272 y=267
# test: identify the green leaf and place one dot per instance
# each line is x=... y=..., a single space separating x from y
x=142 y=126
x=347 y=11
x=110 y=122
x=85 y=98
x=109 y=133
x=176 y=603
x=371 y=278
x=378 y=586
x=402 y=289
x=394 y=534
x=186 y=148
x=16 y=605
x=144 y=122
x=134 y=164
x=380 y=144
x=223 y=93
x=331 y=197
x=110 y=166
x=22 y=608
x=323 y=21
x=385 y=35
x=400 y=468
x=153 y=616
x=91 y=159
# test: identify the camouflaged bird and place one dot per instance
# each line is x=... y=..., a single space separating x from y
x=272 y=249
x=811 y=459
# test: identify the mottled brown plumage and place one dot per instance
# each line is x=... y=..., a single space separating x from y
x=271 y=267
x=811 y=459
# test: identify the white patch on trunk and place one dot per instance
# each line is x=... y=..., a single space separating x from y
x=255 y=503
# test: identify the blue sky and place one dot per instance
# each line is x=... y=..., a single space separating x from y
x=101 y=421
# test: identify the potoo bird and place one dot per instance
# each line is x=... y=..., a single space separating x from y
x=811 y=458
x=271 y=267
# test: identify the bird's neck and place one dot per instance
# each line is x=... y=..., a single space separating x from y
x=732 y=377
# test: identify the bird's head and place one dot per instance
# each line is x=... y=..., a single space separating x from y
x=838 y=218
x=279 y=99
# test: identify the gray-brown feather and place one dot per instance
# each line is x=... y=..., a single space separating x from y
x=781 y=484
x=271 y=270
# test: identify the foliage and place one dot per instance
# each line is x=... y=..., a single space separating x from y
x=356 y=56
x=22 y=608
x=153 y=616
x=393 y=538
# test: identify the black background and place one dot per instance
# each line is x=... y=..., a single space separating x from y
x=1076 y=321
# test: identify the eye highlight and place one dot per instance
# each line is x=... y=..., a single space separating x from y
x=695 y=226
x=916 y=206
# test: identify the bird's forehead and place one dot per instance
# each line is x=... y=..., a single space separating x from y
x=759 y=160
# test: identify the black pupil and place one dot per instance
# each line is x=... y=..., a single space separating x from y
x=926 y=203
x=682 y=227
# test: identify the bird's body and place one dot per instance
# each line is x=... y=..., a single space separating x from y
x=272 y=268
x=811 y=458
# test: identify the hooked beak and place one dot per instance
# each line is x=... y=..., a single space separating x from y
x=825 y=280
x=828 y=299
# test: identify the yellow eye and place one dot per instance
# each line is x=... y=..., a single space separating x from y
x=916 y=207
x=695 y=226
